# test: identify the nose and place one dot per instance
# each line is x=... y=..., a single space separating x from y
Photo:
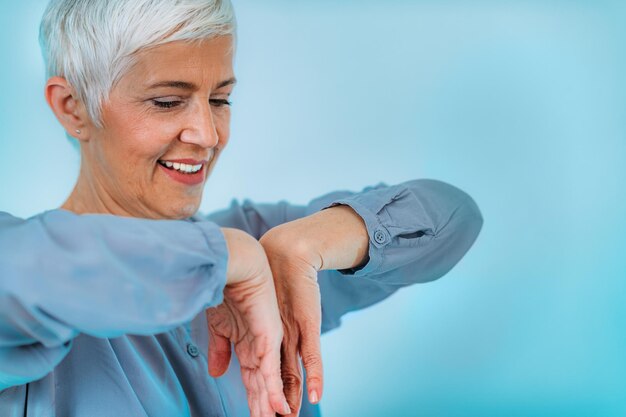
x=200 y=127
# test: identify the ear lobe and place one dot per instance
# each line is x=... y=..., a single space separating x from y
x=67 y=107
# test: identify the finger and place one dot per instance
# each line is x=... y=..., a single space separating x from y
x=219 y=354
x=270 y=370
x=310 y=351
x=259 y=393
x=291 y=374
x=264 y=401
x=250 y=383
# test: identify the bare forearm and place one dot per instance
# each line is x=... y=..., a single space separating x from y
x=337 y=235
x=342 y=237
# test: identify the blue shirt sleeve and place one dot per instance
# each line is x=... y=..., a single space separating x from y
x=418 y=230
x=62 y=274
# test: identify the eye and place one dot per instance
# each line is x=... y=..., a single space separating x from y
x=220 y=102
x=166 y=104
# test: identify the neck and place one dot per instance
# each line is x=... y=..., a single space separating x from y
x=89 y=196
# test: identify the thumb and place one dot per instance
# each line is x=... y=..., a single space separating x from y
x=219 y=354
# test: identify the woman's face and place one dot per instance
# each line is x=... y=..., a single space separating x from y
x=165 y=125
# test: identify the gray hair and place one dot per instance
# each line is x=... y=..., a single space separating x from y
x=92 y=43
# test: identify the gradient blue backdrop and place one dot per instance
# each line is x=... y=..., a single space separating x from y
x=522 y=104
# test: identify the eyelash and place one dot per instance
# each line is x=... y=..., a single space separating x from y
x=171 y=104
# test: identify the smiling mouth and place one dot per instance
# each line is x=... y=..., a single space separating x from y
x=180 y=167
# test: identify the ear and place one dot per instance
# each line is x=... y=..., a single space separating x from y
x=68 y=108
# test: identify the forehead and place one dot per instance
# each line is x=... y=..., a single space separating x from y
x=203 y=62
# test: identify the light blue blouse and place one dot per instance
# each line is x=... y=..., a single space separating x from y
x=102 y=316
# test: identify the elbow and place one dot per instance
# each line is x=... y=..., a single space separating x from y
x=452 y=243
x=472 y=219
x=462 y=231
x=465 y=216
x=454 y=212
x=456 y=236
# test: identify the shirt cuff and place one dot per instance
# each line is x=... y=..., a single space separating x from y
x=388 y=212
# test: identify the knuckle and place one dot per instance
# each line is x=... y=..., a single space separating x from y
x=311 y=360
x=313 y=380
x=291 y=380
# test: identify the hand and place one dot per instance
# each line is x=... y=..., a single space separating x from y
x=249 y=318
x=334 y=238
x=298 y=293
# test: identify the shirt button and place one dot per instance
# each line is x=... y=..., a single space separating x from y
x=379 y=236
x=192 y=350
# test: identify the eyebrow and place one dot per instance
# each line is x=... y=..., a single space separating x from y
x=184 y=85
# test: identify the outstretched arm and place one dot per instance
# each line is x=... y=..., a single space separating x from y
x=415 y=231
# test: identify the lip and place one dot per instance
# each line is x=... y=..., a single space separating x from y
x=187 y=161
x=187 y=179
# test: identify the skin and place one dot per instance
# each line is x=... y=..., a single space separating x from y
x=334 y=238
x=120 y=175
x=119 y=171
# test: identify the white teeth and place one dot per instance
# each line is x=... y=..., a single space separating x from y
x=185 y=168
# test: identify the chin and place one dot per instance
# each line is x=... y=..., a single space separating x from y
x=181 y=212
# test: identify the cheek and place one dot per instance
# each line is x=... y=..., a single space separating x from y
x=152 y=142
x=131 y=158
x=144 y=138
x=141 y=147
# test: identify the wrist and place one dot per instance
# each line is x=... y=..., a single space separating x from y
x=349 y=247
x=245 y=256
x=332 y=238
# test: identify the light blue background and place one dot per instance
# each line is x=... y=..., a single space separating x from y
x=521 y=104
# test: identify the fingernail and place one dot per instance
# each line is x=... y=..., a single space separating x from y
x=313 y=397
x=286 y=408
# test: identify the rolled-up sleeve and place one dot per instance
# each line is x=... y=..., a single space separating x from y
x=418 y=231
x=424 y=225
x=62 y=274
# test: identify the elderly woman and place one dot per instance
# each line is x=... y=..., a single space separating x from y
x=108 y=303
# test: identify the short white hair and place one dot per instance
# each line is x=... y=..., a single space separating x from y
x=92 y=43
